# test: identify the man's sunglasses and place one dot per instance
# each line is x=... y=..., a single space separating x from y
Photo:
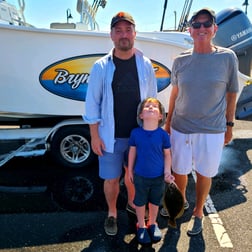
x=197 y=25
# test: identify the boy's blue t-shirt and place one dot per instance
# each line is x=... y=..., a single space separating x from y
x=149 y=145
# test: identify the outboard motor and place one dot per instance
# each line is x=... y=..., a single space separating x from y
x=235 y=32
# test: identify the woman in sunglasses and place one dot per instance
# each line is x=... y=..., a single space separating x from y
x=201 y=111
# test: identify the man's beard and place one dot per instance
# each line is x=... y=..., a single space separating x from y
x=124 y=44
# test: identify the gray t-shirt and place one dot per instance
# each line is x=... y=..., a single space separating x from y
x=203 y=81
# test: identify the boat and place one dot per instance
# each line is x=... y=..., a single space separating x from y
x=50 y=67
x=45 y=71
x=44 y=78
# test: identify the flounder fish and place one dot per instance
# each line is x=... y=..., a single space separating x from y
x=173 y=202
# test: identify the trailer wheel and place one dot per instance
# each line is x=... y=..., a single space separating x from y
x=73 y=193
x=71 y=147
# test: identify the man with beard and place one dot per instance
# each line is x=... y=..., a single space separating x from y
x=117 y=83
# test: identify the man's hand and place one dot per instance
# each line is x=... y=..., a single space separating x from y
x=97 y=146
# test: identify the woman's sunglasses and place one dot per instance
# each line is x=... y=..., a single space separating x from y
x=206 y=24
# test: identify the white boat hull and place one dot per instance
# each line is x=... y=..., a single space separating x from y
x=31 y=78
x=27 y=52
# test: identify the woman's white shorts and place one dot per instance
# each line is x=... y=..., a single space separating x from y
x=198 y=151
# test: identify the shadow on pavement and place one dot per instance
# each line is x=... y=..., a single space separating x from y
x=37 y=222
x=234 y=164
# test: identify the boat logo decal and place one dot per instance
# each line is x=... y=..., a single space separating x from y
x=69 y=77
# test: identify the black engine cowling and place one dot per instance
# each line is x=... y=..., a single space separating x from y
x=235 y=32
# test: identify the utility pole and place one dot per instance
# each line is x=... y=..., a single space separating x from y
x=246 y=6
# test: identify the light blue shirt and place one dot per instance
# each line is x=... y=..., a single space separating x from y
x=99 y=105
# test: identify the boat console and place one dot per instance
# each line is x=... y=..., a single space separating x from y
x=9 y=14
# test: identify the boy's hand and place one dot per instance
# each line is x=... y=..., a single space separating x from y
x=169 y=178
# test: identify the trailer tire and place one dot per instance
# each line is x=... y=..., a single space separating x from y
x=71 y=147
x=74 y=192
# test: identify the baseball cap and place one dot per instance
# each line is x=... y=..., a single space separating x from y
x=122 y=16
x=208 y=11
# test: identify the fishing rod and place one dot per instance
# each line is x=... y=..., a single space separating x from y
x=184 y=15
x=246 y=6
x=162 y=22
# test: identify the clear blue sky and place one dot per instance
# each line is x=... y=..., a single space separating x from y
x=147 y=13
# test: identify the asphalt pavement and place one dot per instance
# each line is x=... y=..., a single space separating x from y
x=34 y=222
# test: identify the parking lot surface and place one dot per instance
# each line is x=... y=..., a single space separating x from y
x=35 y=222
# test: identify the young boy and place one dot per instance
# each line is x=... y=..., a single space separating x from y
x=149 y=164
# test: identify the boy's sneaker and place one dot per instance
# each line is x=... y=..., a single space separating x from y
x=155 y=233
x=195 y=225
x=110 y=226
x=143 y=236
x=165 y=213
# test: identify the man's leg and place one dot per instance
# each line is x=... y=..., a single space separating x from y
x=111 y=191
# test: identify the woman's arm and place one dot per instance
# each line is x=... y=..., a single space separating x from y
x=173 y=97
x=230 y=114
